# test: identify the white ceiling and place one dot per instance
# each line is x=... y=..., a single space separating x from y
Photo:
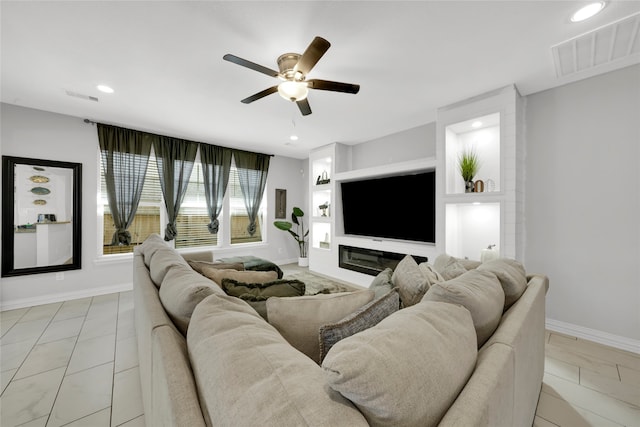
x=164 y=60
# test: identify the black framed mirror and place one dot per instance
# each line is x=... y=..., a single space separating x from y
x=41 y=216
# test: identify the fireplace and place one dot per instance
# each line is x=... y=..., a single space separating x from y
x=370 y=261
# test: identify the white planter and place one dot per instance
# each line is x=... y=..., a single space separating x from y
x=303 y=262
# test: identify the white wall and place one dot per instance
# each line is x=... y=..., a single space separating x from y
x=583 y=201
x=38 y=134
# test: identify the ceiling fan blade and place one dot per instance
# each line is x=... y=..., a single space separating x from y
x=333 y=86
x=304 y=106
x=252 y=65
x=312 y=55
x=259 y=95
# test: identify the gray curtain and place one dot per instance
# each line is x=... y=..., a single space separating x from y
x=125 y=156
x=175 y=158
x=252 y=174
x=216 y=164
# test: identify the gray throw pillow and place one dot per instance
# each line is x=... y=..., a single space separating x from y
x=200 y=265
x=449 y=267
x=367 y=316
x=382 y=283
x=512 y=276
x=410 y=281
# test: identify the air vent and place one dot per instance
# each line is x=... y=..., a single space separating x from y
x=617 y=43
x=81 y=96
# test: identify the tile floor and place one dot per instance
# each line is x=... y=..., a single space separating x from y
x=75 y=364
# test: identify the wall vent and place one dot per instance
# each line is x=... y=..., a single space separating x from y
x=612 y=43
x=81 y=96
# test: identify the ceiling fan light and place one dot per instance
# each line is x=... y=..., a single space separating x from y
x=293 y=91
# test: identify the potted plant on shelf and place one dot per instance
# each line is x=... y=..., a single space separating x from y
x=468 y=165
x=300 y=235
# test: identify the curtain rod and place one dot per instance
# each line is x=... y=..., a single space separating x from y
x=91 y=122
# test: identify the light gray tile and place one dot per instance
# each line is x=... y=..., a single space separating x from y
x=136 y=422
x=126 y=325
x=30 y=398
x=592 y=401
x=126 y=354
x=25 y=331
x=541 y=422
x=127 y=397
x=73 y=308
x=562 y=413
x=92 y=352
x=14 y=354
x=82 y=394
x=62 y=329
x=97 y=327
x=99 y=419
x=5 y=378
x=629 y=393
x=103 y=306
x=41 y=312
x=562 y=369
x=629 y=376
x=40 y=422
x=13 y=315
x=45 y=357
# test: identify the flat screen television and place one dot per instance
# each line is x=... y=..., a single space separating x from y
x=401 y=207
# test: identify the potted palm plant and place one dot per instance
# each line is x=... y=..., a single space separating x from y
x=300 y=235
x=468 y=165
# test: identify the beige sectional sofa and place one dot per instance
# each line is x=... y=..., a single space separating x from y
x=209 y=359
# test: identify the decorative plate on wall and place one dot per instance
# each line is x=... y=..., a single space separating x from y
x=39 y=179
x=40 y=190
x=39 y=202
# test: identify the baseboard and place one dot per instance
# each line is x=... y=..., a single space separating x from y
x=616 y=341
x=59 y=297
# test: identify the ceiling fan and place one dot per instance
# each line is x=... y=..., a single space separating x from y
x=293 y=73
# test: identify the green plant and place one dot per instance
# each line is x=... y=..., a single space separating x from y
x=300 y=235
x=468 y=164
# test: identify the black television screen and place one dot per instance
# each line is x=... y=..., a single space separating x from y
x=399 y=207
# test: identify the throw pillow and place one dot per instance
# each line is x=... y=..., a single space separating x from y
x=430 y=273
x=512 y=276
x=217 y=275
x=181 y=291
x=364 y=318
x=382 y=284
x=449 y=267
x=249 y=375
x=409 y=368
x=410 y=281
x=480 y=292
x=299 y=319
x=200 y=265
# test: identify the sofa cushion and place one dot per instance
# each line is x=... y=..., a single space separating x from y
x=149 y=247
x=217 y=275
x=181 y=291
x=365 y=317
x=299 y=319
x=409 y=368
x=199 y=265
x=512 y=276
x=247 y=374
x=410 y=281
x=449 y=267
x=382 y=284
x=480 y=292
x=430 y=273
x=163 y=260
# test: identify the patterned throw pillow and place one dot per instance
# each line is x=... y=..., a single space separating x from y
x=364 y=318
x=262 y=291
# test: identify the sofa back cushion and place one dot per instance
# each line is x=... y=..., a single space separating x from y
x=409 y=368
x=410 y=281
x=512 y=276
x=181 y=291
x=247 y=374
x=480 y=292
x=149 y=247
x=163 y=260
x=299 y=319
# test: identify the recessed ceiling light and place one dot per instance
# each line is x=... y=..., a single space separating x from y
x=587 y=11
x=476 y=124
x=293 y=137
x=104 y=88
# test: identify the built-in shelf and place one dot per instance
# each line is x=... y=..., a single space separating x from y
x=423 y=164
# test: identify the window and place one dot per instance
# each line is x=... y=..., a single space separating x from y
x=193 y=219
